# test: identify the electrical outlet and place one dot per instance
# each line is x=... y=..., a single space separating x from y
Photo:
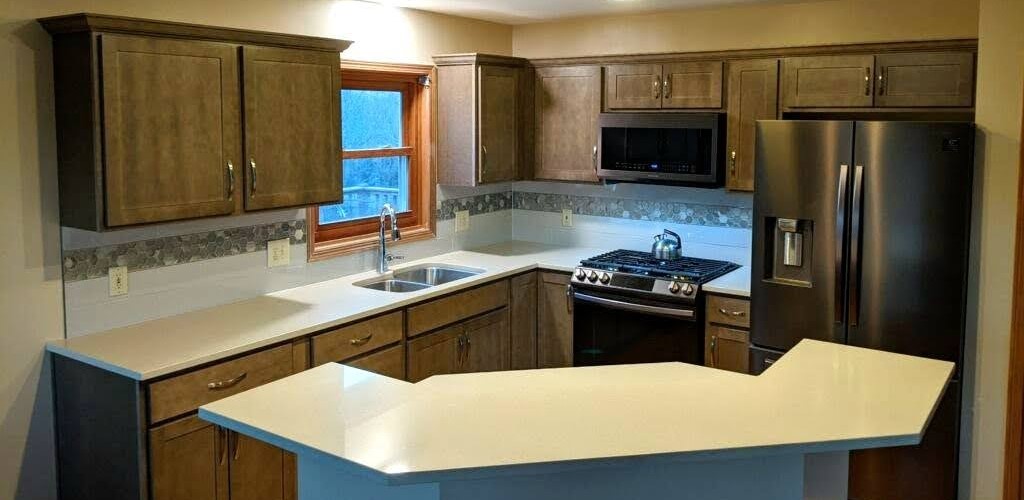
x=566 y=217
x=118 y=280
x=461 y=221
x=278 y=253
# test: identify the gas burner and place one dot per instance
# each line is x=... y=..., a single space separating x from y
x=686 y=269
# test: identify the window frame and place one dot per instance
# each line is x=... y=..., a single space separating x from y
x=418 y=223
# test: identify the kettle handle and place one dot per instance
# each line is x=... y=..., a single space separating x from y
x=674 y=235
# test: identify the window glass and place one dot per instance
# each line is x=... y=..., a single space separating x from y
x=369 y=184
x=371 y=119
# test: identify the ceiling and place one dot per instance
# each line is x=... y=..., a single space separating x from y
x=532 y=11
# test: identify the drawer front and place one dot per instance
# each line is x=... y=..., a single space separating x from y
x=728 y=311
x=445 y=311
x=390 y=362
x=354 y=340
x=184 y=393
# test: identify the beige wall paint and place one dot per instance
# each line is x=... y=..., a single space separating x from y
x=30 y=289
x=1000 y=87
x=757 y=26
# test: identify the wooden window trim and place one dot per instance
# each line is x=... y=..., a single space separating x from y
x=418 y=106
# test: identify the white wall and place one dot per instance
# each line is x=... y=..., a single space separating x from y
x=30 y=288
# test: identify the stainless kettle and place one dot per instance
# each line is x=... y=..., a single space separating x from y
x=665 y=248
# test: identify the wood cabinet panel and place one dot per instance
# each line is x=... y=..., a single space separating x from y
x=523 y=309
x=925 y=79
x=184 y=393
x=292 y=127
x=632 y=86
x=696 y=84
x=435 y=354
x=499 y=123
x=357 y=339
x=456 y=126
x=390 y=362
x=568 y=102
x=554 y=321
x=726 y=348
x=170 y=122
x=728 y=311
x=753 y=95
x=828 y=81
x=447 y=310
x=487 y=343
x=258 y=470
x=188 y=461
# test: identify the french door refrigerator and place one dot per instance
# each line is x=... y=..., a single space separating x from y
x=861 y=236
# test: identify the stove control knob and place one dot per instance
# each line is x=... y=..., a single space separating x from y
x=580 y=274
x=674 y=287
x=605 y=278
x=592 y=276
x=688 y=289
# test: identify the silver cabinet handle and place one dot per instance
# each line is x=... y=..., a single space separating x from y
x=483 y=161
x=224 y=384
x=867 y=81
x=881 y=81
x=657 y=88
x=231 y=179
x=735 y=314
x=252 y=170
x=594 y=157
x=361 y=341
x=732 y=163
x=714 y=350
x=668 y=87
x=570 y=296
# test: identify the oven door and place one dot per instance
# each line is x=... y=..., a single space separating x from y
x=615 y=329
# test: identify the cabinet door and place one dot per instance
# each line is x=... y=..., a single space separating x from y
x=292 y=127
x=499 y=124
x=925 y=79
x=435 y=354
x=726 y=349
x=171 y=137
x=554 y=321
x=828 y=81
x=259 y=470
x=486 y=344
x=568 y=102
x=188 y=460
x=692 y=85
x=753 y=95
x=390 y=362
x=523 y=307
x=632 y=86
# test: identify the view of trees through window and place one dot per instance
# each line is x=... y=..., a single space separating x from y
x=371 y=120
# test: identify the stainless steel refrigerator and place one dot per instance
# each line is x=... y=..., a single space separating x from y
x=861 y=236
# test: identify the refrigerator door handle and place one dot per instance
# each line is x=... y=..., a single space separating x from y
x=855 y=243
x=844 y=173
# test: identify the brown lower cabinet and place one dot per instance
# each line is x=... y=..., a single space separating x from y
x=476 y=345
x=554 y=321
x=727 y=333
x=523 y=310
x=390 y=362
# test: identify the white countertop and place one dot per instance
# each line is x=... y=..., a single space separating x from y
x=819 y=397
x=735 y=283
x=167 y=345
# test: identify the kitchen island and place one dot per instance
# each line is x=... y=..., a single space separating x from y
x=630 y=431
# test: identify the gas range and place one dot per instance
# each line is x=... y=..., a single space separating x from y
x=639 y=273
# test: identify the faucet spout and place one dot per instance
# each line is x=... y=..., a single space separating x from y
x=387 y=211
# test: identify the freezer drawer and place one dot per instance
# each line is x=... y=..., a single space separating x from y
x=761 y=359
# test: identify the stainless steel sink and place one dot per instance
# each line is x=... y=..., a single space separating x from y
x=435 y=275
x=419 y=278
x=396 y=286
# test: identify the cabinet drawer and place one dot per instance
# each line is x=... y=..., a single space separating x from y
x=353 y=340
x=390 y=362
x=448 y=310
x=185 y=393
x=728 y=311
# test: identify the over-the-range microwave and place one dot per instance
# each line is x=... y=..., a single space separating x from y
x=677 y=148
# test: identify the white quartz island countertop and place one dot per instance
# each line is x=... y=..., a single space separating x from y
x=819 y=398
x=159 y=347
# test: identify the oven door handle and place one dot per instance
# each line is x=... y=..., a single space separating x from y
x=641 y=308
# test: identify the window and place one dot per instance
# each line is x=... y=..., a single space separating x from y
x=385 y=141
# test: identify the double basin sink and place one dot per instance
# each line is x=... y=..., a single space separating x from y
x=419 y=278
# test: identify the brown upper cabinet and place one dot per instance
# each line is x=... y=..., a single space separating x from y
x=480 y=101
x=150 y=120
x=753 y=95
x=900 y=79
x=567 y=104
x=681 y=85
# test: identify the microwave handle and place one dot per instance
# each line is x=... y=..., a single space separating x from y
x=640 y=308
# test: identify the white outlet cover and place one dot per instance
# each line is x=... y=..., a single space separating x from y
x=567 y=217
x=118 y=277
x=461 y=221
x=278 y=253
